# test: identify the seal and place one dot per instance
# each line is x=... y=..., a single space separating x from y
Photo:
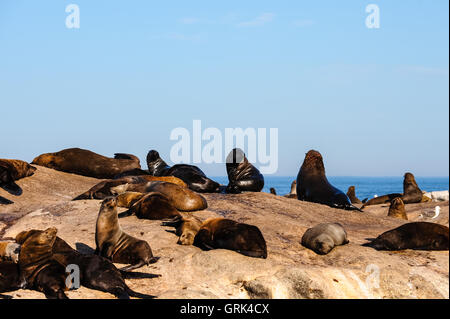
x=411 y=193
x=10 y=278
x=128 y=199
x=313 y=185
x=103 y=189
x=352 y=196
x=397 y=209
x=293 y=192
x=183 y=199
x=323 y=238
x=191 y=175
x=11 y=171
x=242 y=176
x=117 y=246
x=153 y=206
x=221 y=233
x=186 y=228
x=417 y=235
x=87 y=163
x=5 y=201
x=41 y=272
x=273 y=191
x=9 y=251
x=426 y=199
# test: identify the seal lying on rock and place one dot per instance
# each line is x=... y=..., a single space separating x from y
x=397 y=209
x=324 y=237
x=411 y=193
x=11 y=171
x=40 y=270
x=191 y=175
x=103 y=189
x=417 y=235
x=87 y=163
x=117 y=246
x=242 y=176
x=10 y=278
x=313 y=185
x=9 y=251
x=186 y=228
x=220 y=233
x=153 y=206
x=352 y=196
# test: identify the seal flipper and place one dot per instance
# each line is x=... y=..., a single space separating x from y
x=142 y=263
x=125 y=214
x=139 y=295
x=5 y=201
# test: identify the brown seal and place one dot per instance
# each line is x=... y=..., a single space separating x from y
x=426 y=199
x=87 y=163
x=11 y=171
x=117 y=246
x=181 y=198
x=128 y=199
x=40 y=270
x=186 y=228
x=397 y=209
x=313 y=185
x=417 y=235
x=153 y=206
x=242 y=175
x=293 y=193
x=103 y=189
x=324 y=237
x=221 y=233
x=9 y=251
x=10 y=277
x=352 y=196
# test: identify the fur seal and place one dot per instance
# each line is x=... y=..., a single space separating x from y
x=181 y=198
x=117 y=246
x=242 y=176
x=191 y=175
x=221 y=233
x=293 y=192
x=11 y=171
x=10 y=278
x=87 y=163
x=417 y=235
x=426 y=199
x=103 y=189
x=273 y=191
x=411 y=193
x=186 y=228
x=128 y=199
x=313 y=185
x=40 y=270
x=352 y=196
x=153 y=206
x=9 y=251
x=324 y=237
x=397 y=209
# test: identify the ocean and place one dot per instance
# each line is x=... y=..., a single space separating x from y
x=365 y=187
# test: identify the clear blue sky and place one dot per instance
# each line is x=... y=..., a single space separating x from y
x=374 y=102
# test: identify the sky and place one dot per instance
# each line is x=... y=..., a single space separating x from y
x=373 y=101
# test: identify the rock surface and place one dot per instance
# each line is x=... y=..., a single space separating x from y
x=290 y=271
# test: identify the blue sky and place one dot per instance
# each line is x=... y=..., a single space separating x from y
x=374 y=102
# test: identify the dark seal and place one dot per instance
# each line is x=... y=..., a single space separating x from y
x=87 y=163
x=313 y=185
x=352 y=195
x=417 y=235
x=153 y=206
x=242 y=176
x=191 y=175
x=11 y=171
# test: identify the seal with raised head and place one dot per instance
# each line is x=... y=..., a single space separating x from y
x=352 y=195
x=293 y=192
x=313 y=185
x=11 y=171
x=87 y=163
x=36 y=263
x=324 y=237
x=114 y=244
x=242 y=175
x=397 y=209
x=181 y=198
x=191 y=175
x=417 y=235
x=9 y=251
x=221 y=233
x=153 y=206
x=10 y=277
x=186 y=227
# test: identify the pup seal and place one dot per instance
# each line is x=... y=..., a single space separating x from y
x=324 y=237
x=186 y=228
x=417 y=235
x=11 y=171
x=9 y=251
x=153 y=206
x=40 y=270
x=87 y=163
x=220 y=233
x=181 y=198
x=293 y=193
x=117 y=246
x=191 y=175
x=313 y=185
x=242 y=176
x=397 y=209
x=103 y=189
x=10 y=278
x=352 y=196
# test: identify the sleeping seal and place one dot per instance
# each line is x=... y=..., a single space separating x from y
x=186 y=228
x=324 y=237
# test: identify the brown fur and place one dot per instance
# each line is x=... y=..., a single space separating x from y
x=426 y=199
x=128 y=199
x=154 y=206
x=9 y=251
x=16 y=169
x=186 y=228
x=397 y=209
x=352 y=195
